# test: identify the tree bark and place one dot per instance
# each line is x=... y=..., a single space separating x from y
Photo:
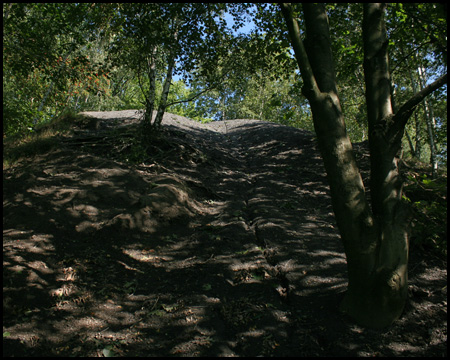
x=430 y=121
x=388 y=280
x=168 y=81
x=165 y=94
x=414 y=148
x=150 y=97
x=375 y=240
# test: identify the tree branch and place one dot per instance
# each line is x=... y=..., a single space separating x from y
x=310 y=88
x=404 y=113
x=191 y=98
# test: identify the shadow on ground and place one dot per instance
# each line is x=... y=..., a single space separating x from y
x=227 y=246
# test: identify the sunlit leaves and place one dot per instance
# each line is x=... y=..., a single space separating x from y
x=42 y=62
x=47 y=45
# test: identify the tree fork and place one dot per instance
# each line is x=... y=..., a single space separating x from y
x=376 y=247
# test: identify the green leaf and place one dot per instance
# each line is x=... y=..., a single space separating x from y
x=257 y=277
x=242 y=252
x=157 y=312
x=207 y=287
x=108 y=352
x=168 y=308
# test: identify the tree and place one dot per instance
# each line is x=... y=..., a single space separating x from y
x=44 y=57
x=417 y=53
x=375 y=237
x=159 y=40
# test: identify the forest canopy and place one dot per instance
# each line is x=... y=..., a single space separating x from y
x=66 y=58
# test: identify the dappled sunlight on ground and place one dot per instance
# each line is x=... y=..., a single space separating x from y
x=227 y=246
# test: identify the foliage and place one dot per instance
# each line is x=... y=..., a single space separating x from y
x=95 y=59
x=39 y=85
x=95 y=55
x=44 y=138
x=156 y=41
x=418 y=55
x=429 y=201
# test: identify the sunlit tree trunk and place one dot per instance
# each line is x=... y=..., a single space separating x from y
x=431 y=123
x=164 y=95
x=168 y=80
x=150 y=98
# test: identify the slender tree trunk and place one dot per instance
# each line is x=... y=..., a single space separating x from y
x=165 y=94
x=410 y=143
x=415 y=151
x=150 y=104
x=417 y=136
x=222 y=107
x=431 y=123
x=262 y=88
x=431 y=127
x=168 y=81
x=150 y=96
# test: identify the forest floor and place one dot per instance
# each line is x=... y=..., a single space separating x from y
x=222 y=242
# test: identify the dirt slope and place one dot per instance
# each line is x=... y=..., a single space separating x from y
x=222 y=244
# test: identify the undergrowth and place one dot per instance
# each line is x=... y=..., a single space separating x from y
x=37 y=141
x=428 y=198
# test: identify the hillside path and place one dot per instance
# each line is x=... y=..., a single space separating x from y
x=219 y=241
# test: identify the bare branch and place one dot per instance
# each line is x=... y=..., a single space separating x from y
x=311 y=88
x=191 y=98
x=404 y=113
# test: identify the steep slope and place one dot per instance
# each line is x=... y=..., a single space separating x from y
x=220 y=242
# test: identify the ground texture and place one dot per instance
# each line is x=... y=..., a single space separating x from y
x=221 y=243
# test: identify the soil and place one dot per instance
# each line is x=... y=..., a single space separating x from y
x=222 y=242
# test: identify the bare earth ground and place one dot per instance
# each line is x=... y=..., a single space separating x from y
x=222 y=244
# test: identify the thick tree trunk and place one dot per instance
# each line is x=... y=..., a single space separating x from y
x=375 y=242
x=380 y=299
x=375 y=239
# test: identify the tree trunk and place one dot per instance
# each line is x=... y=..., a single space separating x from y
x=148 y=126
x=375 y=242
x=415 y=151
x=431 y=127
x=375 y=239
x=431 y=123
x=168 y=81
x=165 y=94
x=410 y=142
x=389 y=276
x=150 y=97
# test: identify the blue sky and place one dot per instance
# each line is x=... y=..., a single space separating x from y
x=244 y=30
